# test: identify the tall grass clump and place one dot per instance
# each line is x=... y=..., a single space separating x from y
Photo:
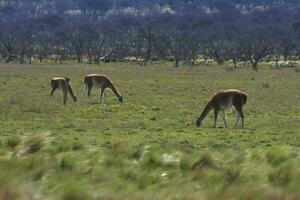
x=151 y=160
x=74 y=191
x=12 y=141
x=35 y=166
x=135 y=153
x=61 y=146
x=232 y=174
x=77 y=145
x=185 y=163
x=206 y=160
x=281 y=175
x=34 y=144
x=67 y=163
x=276 y=156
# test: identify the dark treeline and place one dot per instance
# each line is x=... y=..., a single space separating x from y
x=99 y=30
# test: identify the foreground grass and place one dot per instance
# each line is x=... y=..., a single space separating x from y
x=148 y=147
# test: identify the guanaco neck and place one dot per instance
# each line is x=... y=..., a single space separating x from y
x=115 y=91
x=205 y=112
x=71 y=92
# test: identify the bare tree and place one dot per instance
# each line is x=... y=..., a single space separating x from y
x=254 y=49
x=287 y=48
x=146 y=31
x=9 y=43
x=77 y=33
x=96 y=43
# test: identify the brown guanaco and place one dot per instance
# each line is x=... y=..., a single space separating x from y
x=59 y=83
x=99 y=81
x=222 y=101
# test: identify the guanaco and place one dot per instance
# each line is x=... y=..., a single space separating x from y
x=99 y=81
x=222 y=101
x=58 y=83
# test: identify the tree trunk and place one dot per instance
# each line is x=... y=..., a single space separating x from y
x=147 y=57
x=56 y=58
x=254 y=65
x=90 y=58
x=191 y=63
x=22 y=59
x=96 y=57
x=285 y=57
x=9 y=51
x=9 y=58
x=276 y=61
x=60 y=59
x=148 y=50
x=176 y=62
x=234 y=62
x=79 y=59
x=97 y=60
x=219 y=60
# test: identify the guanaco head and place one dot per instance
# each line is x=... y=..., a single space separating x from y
x=121 y=99
x=198 y=121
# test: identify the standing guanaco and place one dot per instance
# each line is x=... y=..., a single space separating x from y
x=58 y=83
x=99 y=81
x=222 y=101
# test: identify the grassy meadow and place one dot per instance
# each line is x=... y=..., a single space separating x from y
x=148 y=147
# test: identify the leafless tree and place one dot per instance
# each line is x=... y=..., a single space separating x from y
x=254 y=49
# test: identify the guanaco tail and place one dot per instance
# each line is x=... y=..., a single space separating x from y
x=222 y=101
x=99 y=81
x=58 y=83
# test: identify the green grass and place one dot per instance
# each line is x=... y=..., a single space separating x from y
x=148 y=147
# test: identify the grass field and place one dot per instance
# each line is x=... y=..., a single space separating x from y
x=148 y=147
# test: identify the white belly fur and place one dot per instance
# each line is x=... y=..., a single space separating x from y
x=97 y=84
x=226 y=105
x=60 y=85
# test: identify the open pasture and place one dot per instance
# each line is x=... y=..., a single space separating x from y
x=148 y=147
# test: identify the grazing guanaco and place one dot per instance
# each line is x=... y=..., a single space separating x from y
x=58 y=83
x=222 y=101
x=99 y=81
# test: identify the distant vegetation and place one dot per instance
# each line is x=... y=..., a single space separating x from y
x=94 y=31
